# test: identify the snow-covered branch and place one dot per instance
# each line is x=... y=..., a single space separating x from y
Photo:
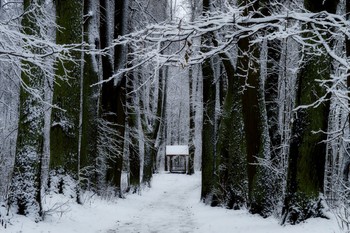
x=22 y=47
x=229 y=26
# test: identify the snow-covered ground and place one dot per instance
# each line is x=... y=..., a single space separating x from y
x=170 y=206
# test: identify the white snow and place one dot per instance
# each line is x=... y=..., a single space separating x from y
x=177 y=150
x=171 y=205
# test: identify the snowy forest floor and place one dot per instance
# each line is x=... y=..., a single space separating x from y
x=172 y=205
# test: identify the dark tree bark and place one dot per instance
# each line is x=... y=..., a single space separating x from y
x=64 y=136
x=271 y=99
x=26 y=180
x=307 y=150
x=113 y=93
x=231 y=146
x=192 y=103
x=133 y=118
x=208 y=130
x=89 y=106
x=249 y=69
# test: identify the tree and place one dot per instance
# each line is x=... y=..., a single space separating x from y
x=231 y=146
x=37 y=58
x=26 y=183
x=307 y=149
x=89 y=97
x=64 y=135
x=113 y=93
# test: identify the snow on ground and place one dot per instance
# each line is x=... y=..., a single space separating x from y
x=170 y=206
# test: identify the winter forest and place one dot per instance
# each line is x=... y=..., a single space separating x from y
x=92 y=92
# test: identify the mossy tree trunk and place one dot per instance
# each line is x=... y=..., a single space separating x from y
x=231 y=146
x=307 y=149
x=26 y=180
x=210 y=156
x=64 y=135
x=248 y=69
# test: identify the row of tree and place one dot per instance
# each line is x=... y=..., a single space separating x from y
x=70 y=134
x=264 y=100
x=267 y=146
x=275 y=101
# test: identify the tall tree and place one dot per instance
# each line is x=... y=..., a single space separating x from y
x=64 y=136
x=26 y=183
x=208 y=130
x=89 y=97
x=231 y=146
x=307 y=149
x=248 y=69
x=113 y=92
x=134 y=137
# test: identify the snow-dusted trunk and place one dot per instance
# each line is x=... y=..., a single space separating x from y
x=133 y=149
x=307 y=149
x=289 y=64
x=152 y=131
x=65 y=157
x=26 y=182
x=273 y=160
x=208 y=130
x=191 y=143
x=161 y=158
x=248 y=69
x=113 y=92
x=106 y=127
x=209 y=134
x=232 y=187
x=89 y=108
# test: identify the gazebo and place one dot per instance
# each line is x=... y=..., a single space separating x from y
x=177 y=157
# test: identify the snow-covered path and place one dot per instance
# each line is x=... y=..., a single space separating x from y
x=171 y=206
x=167 y=207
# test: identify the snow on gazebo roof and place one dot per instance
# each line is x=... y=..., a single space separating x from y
x=177 y=150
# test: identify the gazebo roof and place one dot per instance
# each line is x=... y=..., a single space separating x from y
x=177 y=150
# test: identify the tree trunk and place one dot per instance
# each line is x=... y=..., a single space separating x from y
x=26 y=181
x=133 y=118
x=90 y=101
x=231 y=146
x=208 y=132
x=113 y=94
x=307 y=150
x=192 y=103
x=249 y=69
x=64 y=137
